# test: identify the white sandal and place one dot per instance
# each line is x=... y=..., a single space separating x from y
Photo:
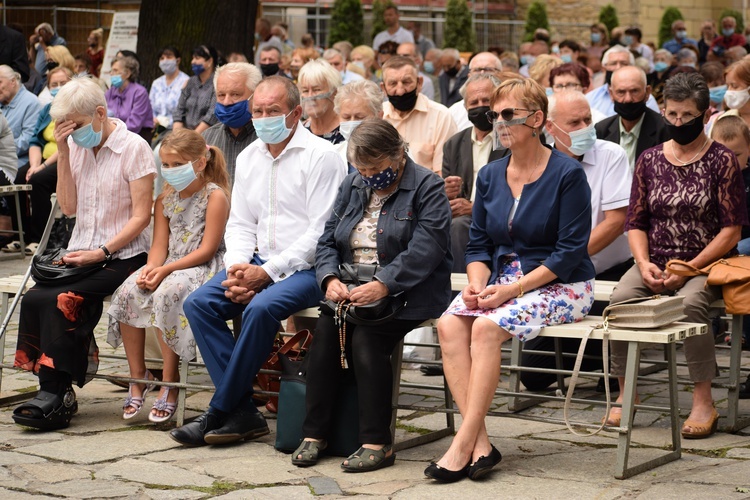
x=136 y=402
x=161 y=404
x=12 y=247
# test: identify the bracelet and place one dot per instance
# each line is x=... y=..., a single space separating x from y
x=521 y=287
x=107 y=254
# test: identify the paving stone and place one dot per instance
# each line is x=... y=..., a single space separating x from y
x=738 y=453
x=90 y=489
x=324 y=486
x=52 y=473
x=251 y=469
x=384 y=489
x=13 y=458
x=102 y=446
x=147 y=472
x=685 y=491
x=7 y=494
x=182 y=455
x=169 y=494
x=9 y=480
x=271 y=493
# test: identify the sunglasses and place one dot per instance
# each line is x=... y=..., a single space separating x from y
x=507 y=116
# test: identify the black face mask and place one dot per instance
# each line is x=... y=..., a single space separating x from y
x=478 y=116
x=685 y=134
x=630 y=111
x=452 y=72
x=608 y=78
x=404 y=102
x=269 y=69
x=51 y=65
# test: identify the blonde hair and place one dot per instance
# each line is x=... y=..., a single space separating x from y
x=741 y=70
x=530 y=93
x=62 y=56
x=542 y=65
x=191 y=145
x=729 y=127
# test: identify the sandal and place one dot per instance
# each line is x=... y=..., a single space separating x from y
x=47 y=411
x=161 y=404
x=699 y=430
x=12 y=247
x=309 y=451
x=136 y=402
x=366 y=459
x=31 y=249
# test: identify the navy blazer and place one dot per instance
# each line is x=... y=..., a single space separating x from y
x=551 y=226
x=413 y=239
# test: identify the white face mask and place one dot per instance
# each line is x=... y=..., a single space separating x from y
x=735 y=99
x=346 y=128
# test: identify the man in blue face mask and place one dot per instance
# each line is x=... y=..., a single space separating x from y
x=728 y=38
x=284 y=188
x=235 y=84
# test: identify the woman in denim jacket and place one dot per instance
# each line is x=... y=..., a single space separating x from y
x=395 y=214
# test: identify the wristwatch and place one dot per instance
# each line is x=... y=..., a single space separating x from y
x=107 y=254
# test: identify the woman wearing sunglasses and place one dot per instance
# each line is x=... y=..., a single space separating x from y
x=688 y=203
x=527 y=267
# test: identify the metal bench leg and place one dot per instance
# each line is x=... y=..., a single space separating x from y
x=734 y=421
x=622 y=471
x=20 y=225
x=516 y=403
x=182 y=396
x=559 y=364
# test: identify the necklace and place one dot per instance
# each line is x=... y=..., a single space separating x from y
x=691 y=160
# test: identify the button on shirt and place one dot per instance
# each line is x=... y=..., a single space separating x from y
x=103 y=190
x=22 y=112
x=629 y=141
x=280 y=205
x=480 y=151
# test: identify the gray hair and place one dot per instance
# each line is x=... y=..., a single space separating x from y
x=45 y=27
x=292 y=92
x=373 y=141
x=267 y=48
x=566 y=96
x=80 y=95
x=616 y=50
x=244 y=70
x=664 y=52
x=329 y=53
x=478 y=78
x=319 y=71
x=687 y=55
x=7 y=73
x=366 y=90
x=686 y=86
x=131 y=64
x=452 y=53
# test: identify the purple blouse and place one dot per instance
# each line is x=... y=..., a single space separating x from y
x=132 y=106
x=683 y=208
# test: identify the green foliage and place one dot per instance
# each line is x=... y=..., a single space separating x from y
x=735 y=14
x=378 y=9
x=536 y=17
x=671 y=14
x=608 y=17
x=459 y=31
x=347 y=22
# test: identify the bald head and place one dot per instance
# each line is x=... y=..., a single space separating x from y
x=485 y=62
x=629 y=74
x=629 y=85
x=409 y=50
x=561 y=104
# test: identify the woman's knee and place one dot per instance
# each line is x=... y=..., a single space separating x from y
x=487 y=334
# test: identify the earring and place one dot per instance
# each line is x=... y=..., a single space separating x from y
x=533 y=133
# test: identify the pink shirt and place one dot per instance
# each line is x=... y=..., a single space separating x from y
x=103 y=190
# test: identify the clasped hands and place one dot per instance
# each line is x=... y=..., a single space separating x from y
x=477 y=296
x=359 y=296
x=459 y=206
x=659 y=281
x=151 y=277
x=244 y=281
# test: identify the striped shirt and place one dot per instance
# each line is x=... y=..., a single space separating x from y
x=103 y=190
x=197 y=103
x=220 y=136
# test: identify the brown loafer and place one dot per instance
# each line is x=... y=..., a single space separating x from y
x=699 y=430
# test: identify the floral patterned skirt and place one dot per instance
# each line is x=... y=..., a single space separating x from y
x=526 y=316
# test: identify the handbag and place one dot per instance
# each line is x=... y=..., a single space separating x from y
x=49 y=268
x=645 y=312
x=376 y=313
x=344 y=434
x=732 y=274
x=62 y=230
x=293 y=348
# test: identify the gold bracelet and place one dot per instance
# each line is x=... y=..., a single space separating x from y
x=521 y=287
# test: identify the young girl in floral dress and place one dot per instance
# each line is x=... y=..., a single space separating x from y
x=187 y=250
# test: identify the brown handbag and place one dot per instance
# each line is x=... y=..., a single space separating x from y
x=295 y=348
x=732 y=274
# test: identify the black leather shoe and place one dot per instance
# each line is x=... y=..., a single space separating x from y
x=434 y=471
x=239 y=425
x=192 y=434
x=484 y=464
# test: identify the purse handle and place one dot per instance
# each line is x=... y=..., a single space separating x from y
x=682 y=268
x=289 y=344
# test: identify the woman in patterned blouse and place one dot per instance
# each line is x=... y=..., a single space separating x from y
x=687 y=202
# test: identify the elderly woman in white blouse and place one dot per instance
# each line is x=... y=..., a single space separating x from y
x=105 y=177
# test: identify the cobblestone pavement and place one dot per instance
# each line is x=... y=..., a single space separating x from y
x=102 y=456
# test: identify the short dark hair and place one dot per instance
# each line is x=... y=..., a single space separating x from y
x=292 y=92
x=571 y=68
x=634 y=31
x=391 y=6
x=207 y=52
x=685 y=86
x=373 y=140
x=170 y=49
x=389 y=47
x=571 y=44
x=712 y=71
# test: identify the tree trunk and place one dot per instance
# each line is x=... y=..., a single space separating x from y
x=227 y=25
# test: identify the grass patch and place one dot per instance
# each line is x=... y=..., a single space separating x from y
x=413 y=429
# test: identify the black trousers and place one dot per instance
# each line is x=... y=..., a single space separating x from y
x=369 y=351
x=35 y=205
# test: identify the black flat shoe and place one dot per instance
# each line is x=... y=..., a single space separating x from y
x=192 y=434
x=434 y=471
x=484 y=464
x=239 y=425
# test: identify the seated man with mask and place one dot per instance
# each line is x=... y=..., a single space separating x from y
x=423 y=123
x=284 y=189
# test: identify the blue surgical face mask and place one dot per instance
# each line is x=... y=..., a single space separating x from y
x=381 y=180
x=346 y=128
x=429 y=67
x=660 y=66
x=54 y=91
x=116 y=81
x=168 y=66
x=716 y=94
x=555 y=49
x=235 y=115
x=179 y=177
x=581 y=141
x=361 y=65
x=197 y=69
x=566 y=58
x=596 y=37
x=627 y=39
x=272 y=130
x=681 y=34
x=727 y=32
x=549 y=91
x=86 y=137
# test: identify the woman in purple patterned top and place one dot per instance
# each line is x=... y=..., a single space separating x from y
x=687 y=202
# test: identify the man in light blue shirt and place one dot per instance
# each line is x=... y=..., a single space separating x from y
x=680 y=38
x=612 y=60
x=44 y=36
x=21 y=108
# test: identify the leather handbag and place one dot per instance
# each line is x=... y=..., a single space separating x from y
x=732 y=274
x=49 y=268
x=645 y=312
x=293 y=348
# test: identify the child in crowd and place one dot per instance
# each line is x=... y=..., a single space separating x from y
x=187 y=250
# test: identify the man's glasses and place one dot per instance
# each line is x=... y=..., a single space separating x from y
x=483 y=70
x=507 y=116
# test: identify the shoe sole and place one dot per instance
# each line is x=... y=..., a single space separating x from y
x=43 y=424
x=233 y=438
x=187 y=445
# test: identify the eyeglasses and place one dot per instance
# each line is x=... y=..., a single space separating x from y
x=671 y=119
x=567 y=86
x=507 y=116
x=483 y=70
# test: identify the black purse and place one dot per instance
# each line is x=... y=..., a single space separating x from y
x=375 y=313
x=49 y=268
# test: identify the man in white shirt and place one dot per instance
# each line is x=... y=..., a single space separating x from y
x=285 y=184
x=336 y=59
x=482 y=63
x=395 y=32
